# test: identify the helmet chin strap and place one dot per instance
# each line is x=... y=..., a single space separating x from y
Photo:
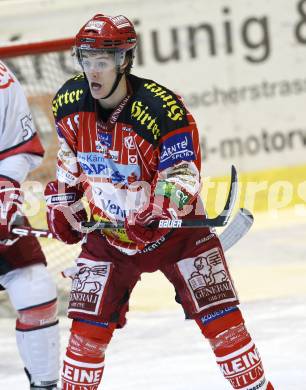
x=115 y=85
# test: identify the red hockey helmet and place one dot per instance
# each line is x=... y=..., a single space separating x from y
x=107 y=32
x=113 y=34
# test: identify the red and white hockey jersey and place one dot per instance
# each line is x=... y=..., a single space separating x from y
x=148 y=145
x=20 y=152
x=20 y=147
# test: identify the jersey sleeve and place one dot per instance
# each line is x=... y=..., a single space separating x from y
x=18 y=136
x=66 y=122
x=179 y=160
x=18 y=166
x=67 y=170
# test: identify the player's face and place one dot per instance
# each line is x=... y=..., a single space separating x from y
x=100 y=70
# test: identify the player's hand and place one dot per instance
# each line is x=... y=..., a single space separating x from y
x=10 y=206
x=65 y=211
x=138 y=226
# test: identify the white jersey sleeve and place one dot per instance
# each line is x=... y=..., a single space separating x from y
x=18 y=166
x=18 y=136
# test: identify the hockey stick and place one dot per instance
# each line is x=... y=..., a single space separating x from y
x=238 y=228
x=23 y=231
x=220 y=220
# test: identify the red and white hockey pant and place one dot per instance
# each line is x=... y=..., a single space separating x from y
x=236 y=353
x=84 y=361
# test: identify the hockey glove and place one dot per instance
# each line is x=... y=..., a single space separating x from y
x=65 y=211
x=138 y=227
x=10 y=206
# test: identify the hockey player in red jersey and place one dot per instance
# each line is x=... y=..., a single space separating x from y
x=130 y=146
x=23 y=272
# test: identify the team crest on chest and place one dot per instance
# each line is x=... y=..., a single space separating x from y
x=101 y=148
x=103 y=145
x=106 y=152
x=105 y=139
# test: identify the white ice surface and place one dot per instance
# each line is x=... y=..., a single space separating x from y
x=159 y=350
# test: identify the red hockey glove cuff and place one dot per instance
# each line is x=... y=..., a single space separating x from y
x=65 y=211
x=10 y=205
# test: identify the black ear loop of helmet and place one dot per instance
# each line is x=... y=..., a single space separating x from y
x=116 y=83
x=119 y=75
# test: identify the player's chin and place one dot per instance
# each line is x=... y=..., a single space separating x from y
x=97 y=91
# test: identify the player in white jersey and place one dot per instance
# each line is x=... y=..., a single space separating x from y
x=23 y=272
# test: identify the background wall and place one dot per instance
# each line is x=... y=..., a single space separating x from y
x=240 y=65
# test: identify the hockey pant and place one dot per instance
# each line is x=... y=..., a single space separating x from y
x=236 y=353
x=84 y=361
x=33 y=295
